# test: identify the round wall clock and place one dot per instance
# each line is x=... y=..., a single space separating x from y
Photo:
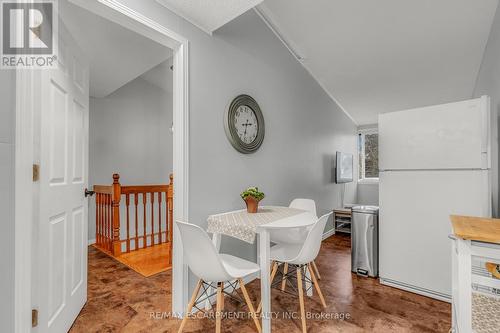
x=244 y=124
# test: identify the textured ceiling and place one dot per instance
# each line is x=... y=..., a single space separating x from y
x=387 y=55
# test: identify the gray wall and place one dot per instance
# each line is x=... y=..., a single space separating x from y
x=304 y=127
x=129 y=135
x=367 y=194
x=7 y=125
x=488 y=83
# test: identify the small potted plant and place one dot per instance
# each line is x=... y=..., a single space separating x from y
x=252 y=196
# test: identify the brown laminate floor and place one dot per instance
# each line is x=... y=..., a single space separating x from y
x=121 y=300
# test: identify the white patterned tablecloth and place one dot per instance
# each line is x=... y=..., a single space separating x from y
x=242 y=225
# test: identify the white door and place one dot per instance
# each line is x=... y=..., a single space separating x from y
x=62 y=248
x=415 y=209
x=448 y=136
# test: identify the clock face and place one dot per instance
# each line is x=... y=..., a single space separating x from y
x=246 y=124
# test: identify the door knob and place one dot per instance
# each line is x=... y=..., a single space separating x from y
x=87 y=193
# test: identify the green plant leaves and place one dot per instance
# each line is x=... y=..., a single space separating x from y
x=252 y=192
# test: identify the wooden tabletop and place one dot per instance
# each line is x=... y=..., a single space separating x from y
x=342 y=210
x=476 y=228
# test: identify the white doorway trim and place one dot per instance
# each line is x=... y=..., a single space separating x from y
x=133 y=20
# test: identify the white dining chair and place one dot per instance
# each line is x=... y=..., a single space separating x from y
x=300 y=257
x=309 y=205
x=208 y=265
x=295 y=236
x=304 y=204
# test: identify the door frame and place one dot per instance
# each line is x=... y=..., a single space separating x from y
x=24 y=156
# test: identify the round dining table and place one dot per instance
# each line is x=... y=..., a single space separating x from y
x=251 y=227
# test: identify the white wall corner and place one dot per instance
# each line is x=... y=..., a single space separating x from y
x=329 y=233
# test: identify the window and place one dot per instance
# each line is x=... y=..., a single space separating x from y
x=368 y=155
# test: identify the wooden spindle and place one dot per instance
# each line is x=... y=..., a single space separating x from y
x=106 y=219
x=101 y=229
x=97 y=218
x=145 y=241
x=103 y=220
x=160 y=237
x=127 y=204
x=136 y=201
x=106 y=229
x=100 y=220
x=110 y=223
x=117 y=246
x=152 y=218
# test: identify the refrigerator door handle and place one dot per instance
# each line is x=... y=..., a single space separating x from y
x=486 y=132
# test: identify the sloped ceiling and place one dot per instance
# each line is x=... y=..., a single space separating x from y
x=161 y=76
x=117 y=55
x=209 y=15
x=387 y=55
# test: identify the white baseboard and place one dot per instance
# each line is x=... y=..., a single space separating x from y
x=415 y=290
x=91 y=241
x=329 y=233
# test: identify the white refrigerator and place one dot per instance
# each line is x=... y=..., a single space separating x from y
x=433 y=161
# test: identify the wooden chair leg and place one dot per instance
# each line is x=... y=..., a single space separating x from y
x=218 y=314
x=222 y=299
x=316 y=270
x=190 y=305
x=316 y=285
x=273 y=274
x=283 y=282
x=301 y=300
x=250 y=305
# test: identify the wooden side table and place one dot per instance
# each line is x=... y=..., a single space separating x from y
x=342 y=218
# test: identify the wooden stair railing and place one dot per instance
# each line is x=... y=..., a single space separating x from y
x=109 y=224
x=104 y=220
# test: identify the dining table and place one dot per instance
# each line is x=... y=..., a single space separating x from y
x=251 y=227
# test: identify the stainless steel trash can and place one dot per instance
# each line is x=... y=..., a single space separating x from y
x=364 y=240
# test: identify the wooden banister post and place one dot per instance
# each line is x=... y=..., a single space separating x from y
x=170 y=205
x=117 y=247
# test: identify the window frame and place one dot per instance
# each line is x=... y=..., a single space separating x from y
x=361 y=156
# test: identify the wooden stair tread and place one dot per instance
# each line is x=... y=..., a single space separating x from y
x=147 y=261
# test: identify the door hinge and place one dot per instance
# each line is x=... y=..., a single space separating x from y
x=36 y=172
x=34 y=318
